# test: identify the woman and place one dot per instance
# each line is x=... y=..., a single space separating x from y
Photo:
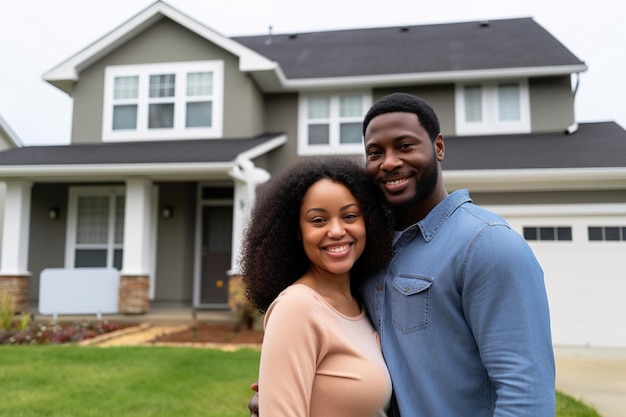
x=316 y=229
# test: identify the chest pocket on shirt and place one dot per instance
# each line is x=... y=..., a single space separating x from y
x=410 y=302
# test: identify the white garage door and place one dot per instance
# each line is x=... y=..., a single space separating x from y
x=582 y=249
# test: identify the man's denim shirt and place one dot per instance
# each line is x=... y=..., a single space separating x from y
x=463 y=317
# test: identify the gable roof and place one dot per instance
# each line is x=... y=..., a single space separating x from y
x=370 y=57
x=6 y=131
x=65 y=74
x=452 y=51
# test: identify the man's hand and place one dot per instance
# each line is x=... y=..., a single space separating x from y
x=253 y=404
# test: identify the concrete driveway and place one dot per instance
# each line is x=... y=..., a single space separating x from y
x=595 y=376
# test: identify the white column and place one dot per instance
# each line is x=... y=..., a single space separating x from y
x=16 y=228
x=137 y=227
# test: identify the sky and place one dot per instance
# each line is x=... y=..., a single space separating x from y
x=38 y=35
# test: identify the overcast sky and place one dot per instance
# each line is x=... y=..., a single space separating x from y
x=37 y=35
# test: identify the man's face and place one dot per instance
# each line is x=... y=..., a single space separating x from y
x=401 y=158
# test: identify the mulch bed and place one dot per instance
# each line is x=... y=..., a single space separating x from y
x=213 y=333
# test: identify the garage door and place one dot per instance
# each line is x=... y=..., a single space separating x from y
x=582 y=249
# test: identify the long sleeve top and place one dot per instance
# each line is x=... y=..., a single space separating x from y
x=317 y=362
x=463 y=317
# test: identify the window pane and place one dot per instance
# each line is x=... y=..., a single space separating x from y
x=350 y=133
x=125 y=117
x=530 y=233
x=118 y=256
x=90 y=258
x=595 y=233
x=199 y=114
x=509 y=102
x=546 y=233
x=93 y=220
x=162 y=85
x=119 y=219
x=564 y=233
x=199 y=84
x=126 y=87
x=350 y=106
x=319 y=135
x=473 y=103
x=318 y=108
x=624 y=233
x=611 y=233
x=160 y=115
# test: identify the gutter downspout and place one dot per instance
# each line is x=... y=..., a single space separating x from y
x=247 y=177
x=571 y=129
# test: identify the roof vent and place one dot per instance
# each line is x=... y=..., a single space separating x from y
x=293 y=36
x=404 y=29
x=268 y=41
x=484 y=23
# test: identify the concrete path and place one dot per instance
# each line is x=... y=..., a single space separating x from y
x=595 y=376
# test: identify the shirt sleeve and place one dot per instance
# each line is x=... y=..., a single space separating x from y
x=506 y=305
x=293 y=344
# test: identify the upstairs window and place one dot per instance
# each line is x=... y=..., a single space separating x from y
x=492 y=108
x=332 y=123
x=163 y=101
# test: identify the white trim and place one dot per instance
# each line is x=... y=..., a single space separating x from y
x=16 y=228
x=558 y=210
x=179 y=130
x=249 y=60
x=72 y=217
x=389 y=80
x=491 y=123
x=536 y=179
x=10 y=133
x=334 y=121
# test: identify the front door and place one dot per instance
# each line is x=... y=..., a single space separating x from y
x=217 y=230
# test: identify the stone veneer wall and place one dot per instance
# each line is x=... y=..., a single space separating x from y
x=133 y=298
x=16 y=286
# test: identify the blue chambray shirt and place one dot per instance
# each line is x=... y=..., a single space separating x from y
x=463 y=317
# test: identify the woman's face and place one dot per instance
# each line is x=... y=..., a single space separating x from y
x=332 y=227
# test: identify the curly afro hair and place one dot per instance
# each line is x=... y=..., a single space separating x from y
x=273 y=258
x=405 y=103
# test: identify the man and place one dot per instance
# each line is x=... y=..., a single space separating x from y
x=461 y=309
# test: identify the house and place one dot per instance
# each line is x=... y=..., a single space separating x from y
x=174 y=126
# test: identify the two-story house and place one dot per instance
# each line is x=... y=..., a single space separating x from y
x=175 y=125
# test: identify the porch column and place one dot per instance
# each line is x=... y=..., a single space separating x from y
x=136 y=266
x=14 y=274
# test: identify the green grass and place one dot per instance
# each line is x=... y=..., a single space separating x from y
x=72 y=381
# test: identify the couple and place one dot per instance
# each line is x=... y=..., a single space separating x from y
x=459 y=313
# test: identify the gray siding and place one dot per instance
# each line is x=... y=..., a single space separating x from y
x=162 y=43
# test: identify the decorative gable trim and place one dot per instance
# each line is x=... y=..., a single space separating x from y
x=64 y=75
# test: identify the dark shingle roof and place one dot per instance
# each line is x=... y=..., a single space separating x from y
x=508 y=43
x=593 y=145
x=175 y=151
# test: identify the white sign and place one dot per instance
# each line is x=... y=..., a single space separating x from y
x=79 y=291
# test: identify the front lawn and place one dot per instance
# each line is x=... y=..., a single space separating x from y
x=73 y=381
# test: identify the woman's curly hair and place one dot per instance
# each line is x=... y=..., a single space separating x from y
x=273 y=258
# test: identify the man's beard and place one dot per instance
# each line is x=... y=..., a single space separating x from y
x=424 y=186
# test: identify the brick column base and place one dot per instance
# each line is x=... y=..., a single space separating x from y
x=133 y=298
x=16 y=286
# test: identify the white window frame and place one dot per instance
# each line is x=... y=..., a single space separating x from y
x=334 y=147
x=72 y=220
x=179 y=131
x=491 y=123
